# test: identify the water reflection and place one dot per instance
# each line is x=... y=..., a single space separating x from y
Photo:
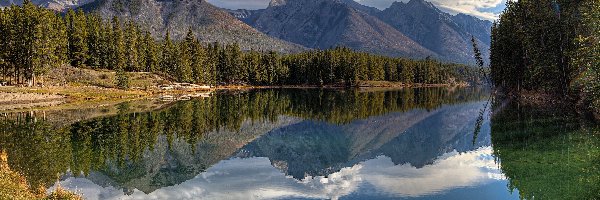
x=417 y=137
x=257 y=178
x=413 y=143
x=547 y=153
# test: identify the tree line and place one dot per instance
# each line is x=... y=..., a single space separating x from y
x=549 y=45
x=37 y=39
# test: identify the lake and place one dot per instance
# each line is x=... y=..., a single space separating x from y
x=426 y=143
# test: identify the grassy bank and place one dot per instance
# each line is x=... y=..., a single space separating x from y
x=14 y=186
x=70 y=87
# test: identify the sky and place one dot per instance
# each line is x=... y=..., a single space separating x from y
x=483 y=9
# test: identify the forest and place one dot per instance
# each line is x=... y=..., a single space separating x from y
x=551 y=46
x=36 y=40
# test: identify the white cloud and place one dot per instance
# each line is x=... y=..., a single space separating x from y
x=472 y=7
x=256 y=178
x=484 y=9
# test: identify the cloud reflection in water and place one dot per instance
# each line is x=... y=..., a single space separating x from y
x=256 y=178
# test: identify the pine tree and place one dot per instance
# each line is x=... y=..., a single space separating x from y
x=151 y=54
x=37 y=42
x=117 y=57
x=253 y=65
x=169 y=59
x=122 y=79
x=211 y=64
x=131 y=47
x=184 y=58
x=4 y=67
x=94 y=40
x=199 y=71
x=106 y=45
x=77 y=34
x=223 y=67
x=236 y=73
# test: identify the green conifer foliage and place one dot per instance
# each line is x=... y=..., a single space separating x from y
x=77 y=34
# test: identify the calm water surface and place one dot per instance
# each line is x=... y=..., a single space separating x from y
x=309 y=144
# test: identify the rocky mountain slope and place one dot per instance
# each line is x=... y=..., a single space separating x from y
x=245 y=15
x=211 y=24
x=328 y=23
x=59 y=5
x=367 y=9
x=449 y=36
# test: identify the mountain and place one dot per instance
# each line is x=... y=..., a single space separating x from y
x=245 y=15
x=59 y=5
x=448 y=36
x=481 y=29
x=328 y=23
x=367 y=9
x=211 y=24
x=416 y=29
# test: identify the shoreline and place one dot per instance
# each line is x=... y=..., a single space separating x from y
x=15 y=98
x=549 y=100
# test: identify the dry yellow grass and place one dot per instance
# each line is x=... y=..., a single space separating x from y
x=75 y=77
x=14 y=186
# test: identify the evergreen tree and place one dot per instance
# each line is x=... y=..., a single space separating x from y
x=200 y=73
x=236 y=73
x=169 y=55
x=117 y=58
x=185 y=51
x=131 y=35
x=94 y=40
x=77 y=34
x=122 y=79
x=151 y=53
x=4 y=45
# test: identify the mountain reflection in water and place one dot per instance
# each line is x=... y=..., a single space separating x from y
x=272 y=144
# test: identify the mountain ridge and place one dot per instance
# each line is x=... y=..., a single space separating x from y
x=324 y=24
x=416 y=29
x=438 y=31
x=444 y=36
x=209 y=23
